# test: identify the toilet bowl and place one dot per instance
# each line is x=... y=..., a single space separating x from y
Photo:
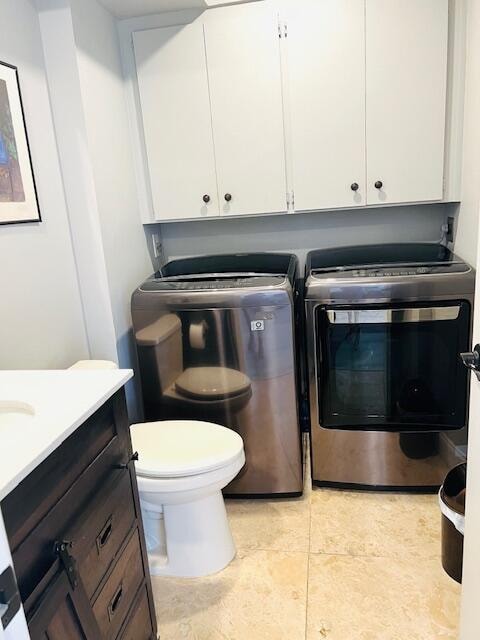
x=182 y=468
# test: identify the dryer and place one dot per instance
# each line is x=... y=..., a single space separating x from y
x=388 y=392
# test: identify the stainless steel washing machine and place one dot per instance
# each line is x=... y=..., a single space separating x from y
x=388 y=391
x=216 y=340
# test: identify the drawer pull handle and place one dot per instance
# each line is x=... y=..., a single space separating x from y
x=105 y=533
x=115 y=601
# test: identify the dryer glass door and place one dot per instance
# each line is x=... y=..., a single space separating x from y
x=395 y=367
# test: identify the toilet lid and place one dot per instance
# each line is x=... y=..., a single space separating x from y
x=211 y=383
x=177 y=448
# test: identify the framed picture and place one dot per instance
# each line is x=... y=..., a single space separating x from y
x=18 y=195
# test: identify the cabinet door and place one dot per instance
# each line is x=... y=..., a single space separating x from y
x=406 y=64
x=326 y=61
x=243 y=59
x=175 y=106
x=63 y=613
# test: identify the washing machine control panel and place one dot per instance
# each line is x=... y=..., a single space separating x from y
x=346 y=273
x=211 y=284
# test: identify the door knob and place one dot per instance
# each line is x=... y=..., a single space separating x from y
x=378 y=184
x=471 y=360
x=354 y=186
x=228 y=197
x=206 y=198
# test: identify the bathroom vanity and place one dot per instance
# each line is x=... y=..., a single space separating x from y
x=71 y=509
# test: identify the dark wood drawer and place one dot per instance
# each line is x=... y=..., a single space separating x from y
x=104 y=526
x=139 y=625
x=34 y=556
x=115 y=598
x=25 y=507
x=62 y=612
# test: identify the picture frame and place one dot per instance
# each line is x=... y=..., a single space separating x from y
x=18 y=192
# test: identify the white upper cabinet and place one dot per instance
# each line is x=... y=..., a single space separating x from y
x=175 y=105
x=406 y=65
x=243 y=61
x=326 y=70
x=342 y=102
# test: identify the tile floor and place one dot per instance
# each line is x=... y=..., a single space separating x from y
x=332 y=565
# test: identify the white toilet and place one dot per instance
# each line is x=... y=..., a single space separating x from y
x=182 y=468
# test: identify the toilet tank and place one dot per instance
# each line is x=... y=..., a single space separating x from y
x=159 y=347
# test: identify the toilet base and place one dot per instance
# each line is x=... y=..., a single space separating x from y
x=190 y=539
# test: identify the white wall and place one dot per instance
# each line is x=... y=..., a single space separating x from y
x=103 y=97
x=301 y=232
x=65 y=96
x=467 y=223
x=41 y=318
x=86 y=87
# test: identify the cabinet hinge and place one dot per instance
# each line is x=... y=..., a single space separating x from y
x=69 y=564
x=282 y=29
x=126 y=465
x=290 y=200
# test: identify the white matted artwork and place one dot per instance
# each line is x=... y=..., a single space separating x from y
x=18 y=196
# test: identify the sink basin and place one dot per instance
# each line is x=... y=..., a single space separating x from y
x=14 y=413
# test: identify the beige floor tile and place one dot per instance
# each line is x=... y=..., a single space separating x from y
x=376 y=524
x=260 y=596
x=359 y=598
x=275 y=525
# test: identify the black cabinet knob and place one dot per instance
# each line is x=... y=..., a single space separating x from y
x=354 y=186
x=206 y=198
x=378 y=184
x=228 y=197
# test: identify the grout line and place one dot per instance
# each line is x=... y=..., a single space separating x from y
x=407 y=556
x=270 y=550
x=308 y=469
x=308 y=579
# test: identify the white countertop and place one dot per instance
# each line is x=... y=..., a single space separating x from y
x=62 y=400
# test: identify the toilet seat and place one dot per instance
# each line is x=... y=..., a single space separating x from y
x=182 y=468
x=183 y=448
x=211 y=383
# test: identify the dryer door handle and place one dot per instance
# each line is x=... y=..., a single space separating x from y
x=471 y=359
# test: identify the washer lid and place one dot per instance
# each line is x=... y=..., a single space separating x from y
x=378 y=254
x=178 y=448
x=211 y=383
